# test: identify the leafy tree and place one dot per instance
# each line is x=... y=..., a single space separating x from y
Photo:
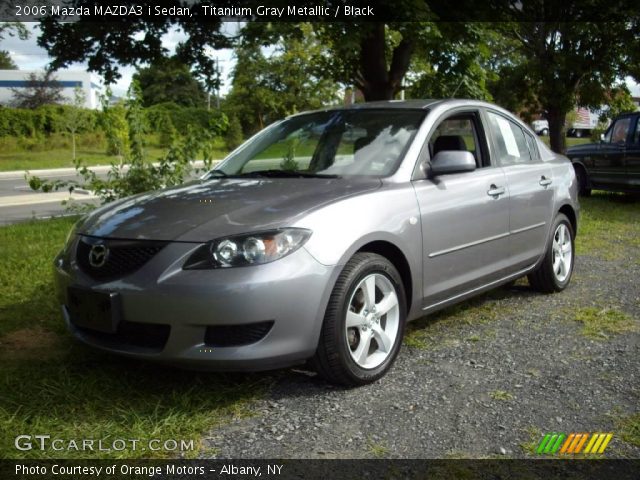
x=170 y=80
x=568 y=61
x=233 y=136
x=40 y=90
x=6 y=62
x=75 y=118
x=12 y=29
x=620 y=101
x=269 y=87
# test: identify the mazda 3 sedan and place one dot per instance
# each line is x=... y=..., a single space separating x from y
x=319 y=238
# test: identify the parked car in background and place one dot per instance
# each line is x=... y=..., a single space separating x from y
x=585 y=121
x=614 y=162
x=320 y=237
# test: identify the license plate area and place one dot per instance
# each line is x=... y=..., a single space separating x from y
x=100 y=311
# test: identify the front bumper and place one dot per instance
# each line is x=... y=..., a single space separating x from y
x=291 y=293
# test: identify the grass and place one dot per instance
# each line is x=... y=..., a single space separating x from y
x=501 y=395
x=608 y=221
x=377 y=449
x=55 y=152
x=50 y=384
x=602 y=323
x=629 y=428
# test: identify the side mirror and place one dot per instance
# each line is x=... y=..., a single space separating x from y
x=452 y=161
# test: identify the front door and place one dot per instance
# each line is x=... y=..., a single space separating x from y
x=465 y=216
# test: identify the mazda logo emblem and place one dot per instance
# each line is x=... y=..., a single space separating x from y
x=98 y=255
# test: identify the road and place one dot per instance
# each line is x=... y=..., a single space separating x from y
x=18 y=202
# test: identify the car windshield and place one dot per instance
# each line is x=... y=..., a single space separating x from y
x=331 y=143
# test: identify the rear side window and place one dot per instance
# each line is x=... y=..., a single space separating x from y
x=510 y=140
x=533 y=148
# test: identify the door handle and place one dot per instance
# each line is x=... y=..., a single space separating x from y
x=495 y=191
x=544 y=181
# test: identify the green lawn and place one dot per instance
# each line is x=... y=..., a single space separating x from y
x=55 y=152
x=50 y=384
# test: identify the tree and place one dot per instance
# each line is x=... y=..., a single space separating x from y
x=75 y=118
x=170 y=80
x=6 y=62
x=287 y=80
x=12 y=29
x=571 y=60
x=40 y=90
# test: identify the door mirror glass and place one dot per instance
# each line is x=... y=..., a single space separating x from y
x=452 y=161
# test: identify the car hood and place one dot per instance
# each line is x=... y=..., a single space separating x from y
x=202 y=210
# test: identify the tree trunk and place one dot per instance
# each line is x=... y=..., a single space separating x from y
x=557 y=130
x=73 y=144
x=375 y=81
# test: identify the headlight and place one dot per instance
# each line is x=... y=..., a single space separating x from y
x=247 y=249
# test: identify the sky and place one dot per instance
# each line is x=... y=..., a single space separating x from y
x=29 y=56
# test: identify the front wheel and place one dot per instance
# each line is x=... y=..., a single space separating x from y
x=364 y=322
x=554 y=273
x=544 y=132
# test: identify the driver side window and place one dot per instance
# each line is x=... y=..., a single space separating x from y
x=456 y=133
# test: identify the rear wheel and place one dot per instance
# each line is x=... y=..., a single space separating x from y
x=364 y=322
x=583 y=181
x=544 y=132
x=554 y=273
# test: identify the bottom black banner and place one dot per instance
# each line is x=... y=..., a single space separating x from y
x=320 y=469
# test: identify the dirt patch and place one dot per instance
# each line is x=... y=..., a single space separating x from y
x=30 y=343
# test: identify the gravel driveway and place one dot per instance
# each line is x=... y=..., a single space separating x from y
x=487 y=378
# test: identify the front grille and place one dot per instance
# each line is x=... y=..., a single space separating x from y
x=123 y=257
x=147 y=336
x=236 y=335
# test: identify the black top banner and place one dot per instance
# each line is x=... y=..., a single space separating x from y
x=324 y=11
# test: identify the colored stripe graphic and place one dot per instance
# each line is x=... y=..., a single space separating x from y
x=572 y=444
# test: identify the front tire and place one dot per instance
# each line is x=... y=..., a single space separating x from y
x=554 y=273
x=364 y=322
x=544 y=132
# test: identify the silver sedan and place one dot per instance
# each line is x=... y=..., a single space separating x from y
x=320 y=237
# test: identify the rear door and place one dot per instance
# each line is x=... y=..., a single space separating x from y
x=465 y=216
x=530 y=184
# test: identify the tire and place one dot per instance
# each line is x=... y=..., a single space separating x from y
x=341 y=356
x=583 y=181
x=550 y=276
x=544 y=132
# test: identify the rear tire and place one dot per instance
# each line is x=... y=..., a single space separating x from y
x=364 y=322
x=554 y=273
x=544 y=132
x=583 y=181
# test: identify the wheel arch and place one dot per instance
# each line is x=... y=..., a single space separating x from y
x=570 y=213
x=578 y=164
x=392 y=253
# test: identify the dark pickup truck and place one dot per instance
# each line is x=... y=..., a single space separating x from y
x=613 y=163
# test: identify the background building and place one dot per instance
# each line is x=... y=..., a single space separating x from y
x=68 y=79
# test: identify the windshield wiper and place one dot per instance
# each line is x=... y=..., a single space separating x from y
x=287 y=174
